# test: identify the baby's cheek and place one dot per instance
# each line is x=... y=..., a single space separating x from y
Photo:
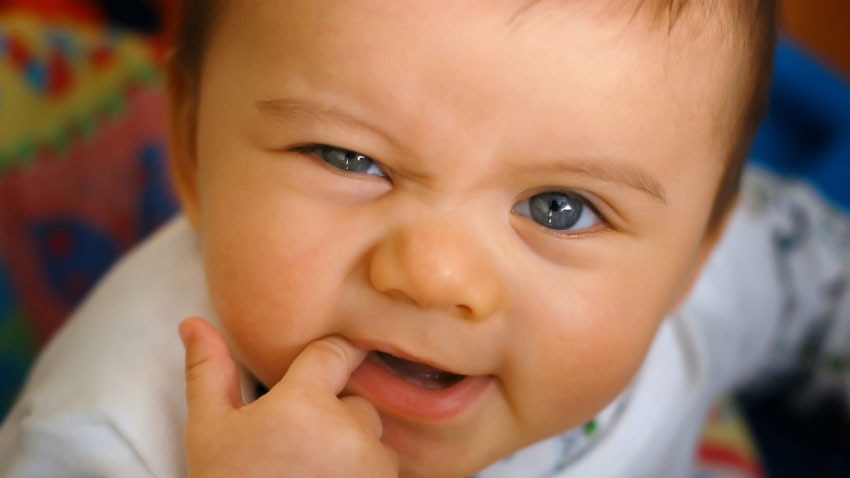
x=237 y=303
x=580 y=375
x=256 y=347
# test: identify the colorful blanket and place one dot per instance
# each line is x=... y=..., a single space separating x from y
x=82 y=169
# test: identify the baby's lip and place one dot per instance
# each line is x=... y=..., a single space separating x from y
x=415 y=390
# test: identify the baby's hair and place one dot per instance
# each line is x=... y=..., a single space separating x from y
x=197 y=20
x=761 y=20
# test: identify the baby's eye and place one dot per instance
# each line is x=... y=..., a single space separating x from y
x=346 y=160
x=562 y=211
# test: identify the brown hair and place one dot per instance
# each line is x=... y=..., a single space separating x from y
x=195 y=24
x=197 y=19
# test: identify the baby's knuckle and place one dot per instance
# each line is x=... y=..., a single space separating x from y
x=197 y=367
x=332 y=352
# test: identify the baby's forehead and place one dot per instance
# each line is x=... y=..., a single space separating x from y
x=685 y=18
x=666 y=13
x=681 y=26
x=677 y=29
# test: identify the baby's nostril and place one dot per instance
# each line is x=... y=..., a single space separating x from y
x=465 y=311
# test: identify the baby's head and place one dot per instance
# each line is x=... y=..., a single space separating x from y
x=513 y=193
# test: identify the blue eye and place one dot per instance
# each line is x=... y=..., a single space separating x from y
x=347 y=160
x=561 y=211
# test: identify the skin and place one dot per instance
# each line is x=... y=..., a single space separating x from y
x=469 y=109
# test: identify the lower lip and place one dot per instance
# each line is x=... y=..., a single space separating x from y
x=392 y=394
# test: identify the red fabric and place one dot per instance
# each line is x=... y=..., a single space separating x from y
x=726 y=457
x=81 y=10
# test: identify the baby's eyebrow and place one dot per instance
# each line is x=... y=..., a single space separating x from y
x=612 y=171
x=295 y=110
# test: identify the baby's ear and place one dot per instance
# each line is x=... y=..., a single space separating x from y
x=182 y=123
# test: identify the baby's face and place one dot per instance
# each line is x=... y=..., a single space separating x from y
x=501 y=204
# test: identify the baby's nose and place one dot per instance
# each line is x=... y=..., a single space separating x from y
x=437 y=265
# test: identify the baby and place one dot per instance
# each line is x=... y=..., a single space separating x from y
x=431 y=235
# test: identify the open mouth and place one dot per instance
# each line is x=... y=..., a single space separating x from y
x=416 y=373
x=411 y=390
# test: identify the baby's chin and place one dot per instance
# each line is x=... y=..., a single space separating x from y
x=452 y=453
x=458 y=463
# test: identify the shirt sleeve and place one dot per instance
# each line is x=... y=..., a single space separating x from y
x=69 y=445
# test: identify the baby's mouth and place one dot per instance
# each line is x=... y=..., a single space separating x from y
x=412 y=390
x=416 y=373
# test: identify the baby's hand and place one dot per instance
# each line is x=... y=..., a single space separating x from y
x=300 y=428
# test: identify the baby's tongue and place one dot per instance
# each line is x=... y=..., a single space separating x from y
x=416 y=373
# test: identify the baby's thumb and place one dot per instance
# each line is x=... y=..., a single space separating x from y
x=212 y=383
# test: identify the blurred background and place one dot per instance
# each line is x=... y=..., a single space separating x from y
x=82 y=157
x=83 y=177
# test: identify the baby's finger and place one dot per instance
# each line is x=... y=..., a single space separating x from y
x=324 y=365
x=365 y=413
x=212 y=383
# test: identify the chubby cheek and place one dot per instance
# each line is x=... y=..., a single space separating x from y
x=591 y=335
x=582 y=370
x=268 y=282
